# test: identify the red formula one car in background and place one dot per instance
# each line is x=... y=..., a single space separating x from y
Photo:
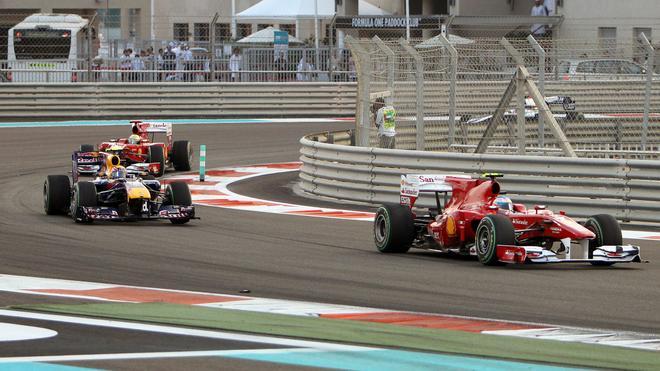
x=477 y=220
x=141 y=150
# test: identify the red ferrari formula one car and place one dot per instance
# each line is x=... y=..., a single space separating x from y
x=141 y=149
x=477 y=220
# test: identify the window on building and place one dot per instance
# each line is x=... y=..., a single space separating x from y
x=181 y=31
x=222 y=31
x=201 y=32
x=330 y=34
x=261 y=26
x=243 y=29
x=289 y=28
x=607 y=37
x=134 y=22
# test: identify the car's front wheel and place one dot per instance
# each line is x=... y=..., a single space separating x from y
x=607 y=231
x=394 y=228
x=83 y=195
x=493 y=230
x=178 y=193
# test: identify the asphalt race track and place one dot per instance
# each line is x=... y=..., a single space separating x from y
x=287 y=257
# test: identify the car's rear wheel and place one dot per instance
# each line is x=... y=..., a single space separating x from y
x=57 y=194
x=83 y=195
x=157 y=154
x=493 y=230
x=181 y=155
x=607 y=231
x=178 y=193
x=86 y=148
x=394 y=228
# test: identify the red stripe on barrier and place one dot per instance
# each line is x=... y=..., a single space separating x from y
x=139 y=295
x=431 y=321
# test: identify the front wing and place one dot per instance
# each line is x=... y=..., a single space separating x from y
x=537 y=255
x=168 y=212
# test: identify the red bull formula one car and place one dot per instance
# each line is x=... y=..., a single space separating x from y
x=117 y=193
x=140 y=148
x=477 y=220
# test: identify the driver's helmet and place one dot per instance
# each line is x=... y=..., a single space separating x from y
x=504 y=203
x=134 y=139
x=118 y=172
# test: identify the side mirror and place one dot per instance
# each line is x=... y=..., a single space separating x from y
x=539 y=207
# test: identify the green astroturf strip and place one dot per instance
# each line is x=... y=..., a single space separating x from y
x=370 y=334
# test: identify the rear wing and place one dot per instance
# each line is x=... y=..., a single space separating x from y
x=153 y=127
x=414 y=184
x=86 y=163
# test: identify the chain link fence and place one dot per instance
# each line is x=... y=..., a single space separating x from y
x=548 y=97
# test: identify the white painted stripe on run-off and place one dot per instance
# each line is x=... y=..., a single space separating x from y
x=172 y=330
x=619 y=339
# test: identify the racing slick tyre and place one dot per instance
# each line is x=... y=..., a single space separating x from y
x=83 y=195
x=607 y=231
x=394 y=229
x=86 y=148
x=57 y=194
x=181 y=155
x=493 y=230
x=177 y=193
x=157 y=154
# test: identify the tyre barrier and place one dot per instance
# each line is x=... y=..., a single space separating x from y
x=627 y=189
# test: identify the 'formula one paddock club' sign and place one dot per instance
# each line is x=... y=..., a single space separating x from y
x=385 y=22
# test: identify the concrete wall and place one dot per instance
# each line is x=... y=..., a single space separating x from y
x=584 y=17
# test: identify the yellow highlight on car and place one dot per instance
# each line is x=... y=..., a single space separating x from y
x=138 y=192
x=451 y=227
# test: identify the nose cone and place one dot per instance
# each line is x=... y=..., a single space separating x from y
x=577 y=230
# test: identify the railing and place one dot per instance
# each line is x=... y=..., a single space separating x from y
x=627 y=189
x=47 y=76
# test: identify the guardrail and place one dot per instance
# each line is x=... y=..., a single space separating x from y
x=627 y=189
x=170 y=100
x=178 y=99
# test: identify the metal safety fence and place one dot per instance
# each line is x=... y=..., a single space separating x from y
x=524 y=96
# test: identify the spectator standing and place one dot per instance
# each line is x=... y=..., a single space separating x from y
x=352 y=73
x=169 y=61
x=126 y=64
x=540 y=10
x=303 y=69
x=187 y=58
x=137 y=66
x=235 y=62
x=385 y=120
